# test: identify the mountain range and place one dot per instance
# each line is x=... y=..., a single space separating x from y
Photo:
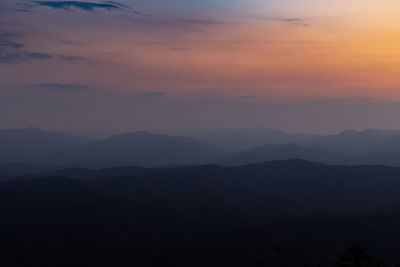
x=31 y=144
x=236 y=140
x=142 y=149
x=26 y=150
x=356 y=142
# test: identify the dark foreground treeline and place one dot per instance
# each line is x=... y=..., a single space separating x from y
x=203 y=216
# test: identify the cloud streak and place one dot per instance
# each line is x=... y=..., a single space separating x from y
x=40 y=56
x=298 y=22
x=71 y=58
x=5 y=42
x=11 y=52
x=63 y=87
x=86 y=6
x=24 y=56
x=21 y=56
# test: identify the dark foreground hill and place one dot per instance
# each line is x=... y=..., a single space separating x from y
x=271 y=152
x=200 y=216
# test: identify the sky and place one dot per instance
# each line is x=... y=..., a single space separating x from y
x=186 y=65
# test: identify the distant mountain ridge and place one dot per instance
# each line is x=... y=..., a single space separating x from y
x=351 y=147
x=32 y=144
x=242 y=139
x=353 y=142
x=140 y=149
x=34 y=149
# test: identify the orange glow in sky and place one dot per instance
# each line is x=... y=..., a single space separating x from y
x=236 y=50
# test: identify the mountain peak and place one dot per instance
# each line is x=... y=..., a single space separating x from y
x=33 y=129
x=349 y=132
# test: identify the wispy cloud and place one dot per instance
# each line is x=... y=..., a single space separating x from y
x=7 y=43
x=298 y=22
x=23 y=56
x=88 y=6
x=71 y=58
x=80 y=5
x=11 y=51
x=62 y=87
x=184 y=22
x=20 y=56
x=40 y=56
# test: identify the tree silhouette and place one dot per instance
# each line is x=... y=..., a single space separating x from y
x=288 y=255
x=355 y=256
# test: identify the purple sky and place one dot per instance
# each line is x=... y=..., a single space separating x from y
x=103 y=67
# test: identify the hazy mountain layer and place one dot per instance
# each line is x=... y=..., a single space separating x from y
x=32 y=144
x=141 y=149
x=38 y=149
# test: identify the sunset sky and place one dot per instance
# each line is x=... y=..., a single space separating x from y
x=184 y=65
